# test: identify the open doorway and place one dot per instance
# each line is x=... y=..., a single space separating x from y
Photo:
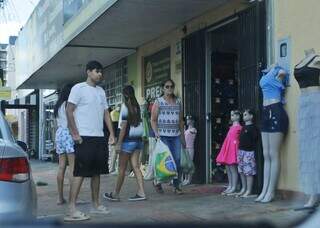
x=238 y=42
x=224 y=88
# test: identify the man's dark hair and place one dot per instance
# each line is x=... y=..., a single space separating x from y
x=91 y=65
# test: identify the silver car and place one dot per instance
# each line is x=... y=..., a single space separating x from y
x=18 y=198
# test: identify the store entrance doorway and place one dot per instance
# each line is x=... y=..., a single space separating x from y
x=236 y=54
x=224 y=88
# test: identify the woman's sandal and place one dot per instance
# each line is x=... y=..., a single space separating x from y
x=158 y=188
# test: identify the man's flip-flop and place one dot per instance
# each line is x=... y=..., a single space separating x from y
x=248 y=196
x=100 y=210
x=306 y=208
x=76 y=216
x=82 y=202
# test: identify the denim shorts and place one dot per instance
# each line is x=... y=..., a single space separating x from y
x=130 y=146
x=274 y=118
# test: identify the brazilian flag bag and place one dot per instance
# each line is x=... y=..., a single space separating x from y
x=165 y=168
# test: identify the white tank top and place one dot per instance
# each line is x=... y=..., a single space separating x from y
x=62 y=116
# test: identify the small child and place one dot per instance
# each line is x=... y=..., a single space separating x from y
x=246 y=158
x=190 y=136
x=228 y=153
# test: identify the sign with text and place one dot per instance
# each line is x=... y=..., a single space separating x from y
x=156 y=69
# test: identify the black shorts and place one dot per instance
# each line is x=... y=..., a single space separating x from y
x=91 y=157
x=274 y=118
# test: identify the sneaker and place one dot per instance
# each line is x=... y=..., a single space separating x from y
x=158 y=188
x=137 y=198
x=178 y=191
x=114 y=173
x=131 y=174
x=110 y=197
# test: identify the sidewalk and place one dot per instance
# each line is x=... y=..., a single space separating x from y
x=200 y=203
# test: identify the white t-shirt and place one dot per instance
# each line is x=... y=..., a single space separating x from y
x=90 y=104
x=134 y=132
x=62 y=117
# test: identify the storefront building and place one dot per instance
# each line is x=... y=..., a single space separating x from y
x=213 y=50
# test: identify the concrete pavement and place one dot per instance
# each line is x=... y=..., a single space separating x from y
x=200 y=203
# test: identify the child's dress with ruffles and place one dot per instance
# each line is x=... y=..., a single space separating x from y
x=229 y=149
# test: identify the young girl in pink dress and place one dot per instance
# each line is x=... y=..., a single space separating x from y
x=228 y=153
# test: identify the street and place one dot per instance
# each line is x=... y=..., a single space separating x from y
x=199 y=204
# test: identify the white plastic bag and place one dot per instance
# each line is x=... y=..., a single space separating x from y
x=149 y=170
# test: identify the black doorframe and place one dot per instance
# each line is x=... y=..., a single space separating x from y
x=195 y=71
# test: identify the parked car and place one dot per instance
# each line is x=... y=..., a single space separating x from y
x=18 y=198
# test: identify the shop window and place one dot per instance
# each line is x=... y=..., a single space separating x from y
x=115 y=78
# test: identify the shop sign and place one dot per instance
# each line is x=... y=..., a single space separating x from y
x=156 y=69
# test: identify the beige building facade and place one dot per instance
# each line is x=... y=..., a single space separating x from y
x=250 y=34
x=285 y=20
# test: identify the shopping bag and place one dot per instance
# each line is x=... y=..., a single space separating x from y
x=165 y=168
x=149 y=170
x=186 y=163
x=146 y=126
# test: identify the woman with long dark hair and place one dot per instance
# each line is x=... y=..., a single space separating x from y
x=129 y=144
x=64 y=142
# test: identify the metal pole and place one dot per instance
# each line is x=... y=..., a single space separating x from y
x=41 y=125
x=208 y=109
x=270 y=32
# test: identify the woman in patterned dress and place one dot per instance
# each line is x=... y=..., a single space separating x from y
x=167 y=124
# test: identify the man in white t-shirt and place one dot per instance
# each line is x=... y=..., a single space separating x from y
x=86 y=110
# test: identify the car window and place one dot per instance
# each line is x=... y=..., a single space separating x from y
x=6 y=127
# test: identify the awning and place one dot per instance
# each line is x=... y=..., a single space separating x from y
x=117 y=33
x=27 y=102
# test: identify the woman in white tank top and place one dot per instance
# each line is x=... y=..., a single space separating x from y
x=63 y=142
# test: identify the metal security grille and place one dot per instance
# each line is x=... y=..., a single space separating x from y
x=252 y=58
x=193 y=49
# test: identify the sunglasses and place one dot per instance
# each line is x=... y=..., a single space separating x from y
x=169 y=86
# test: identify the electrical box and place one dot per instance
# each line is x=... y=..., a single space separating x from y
x=283 y=51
